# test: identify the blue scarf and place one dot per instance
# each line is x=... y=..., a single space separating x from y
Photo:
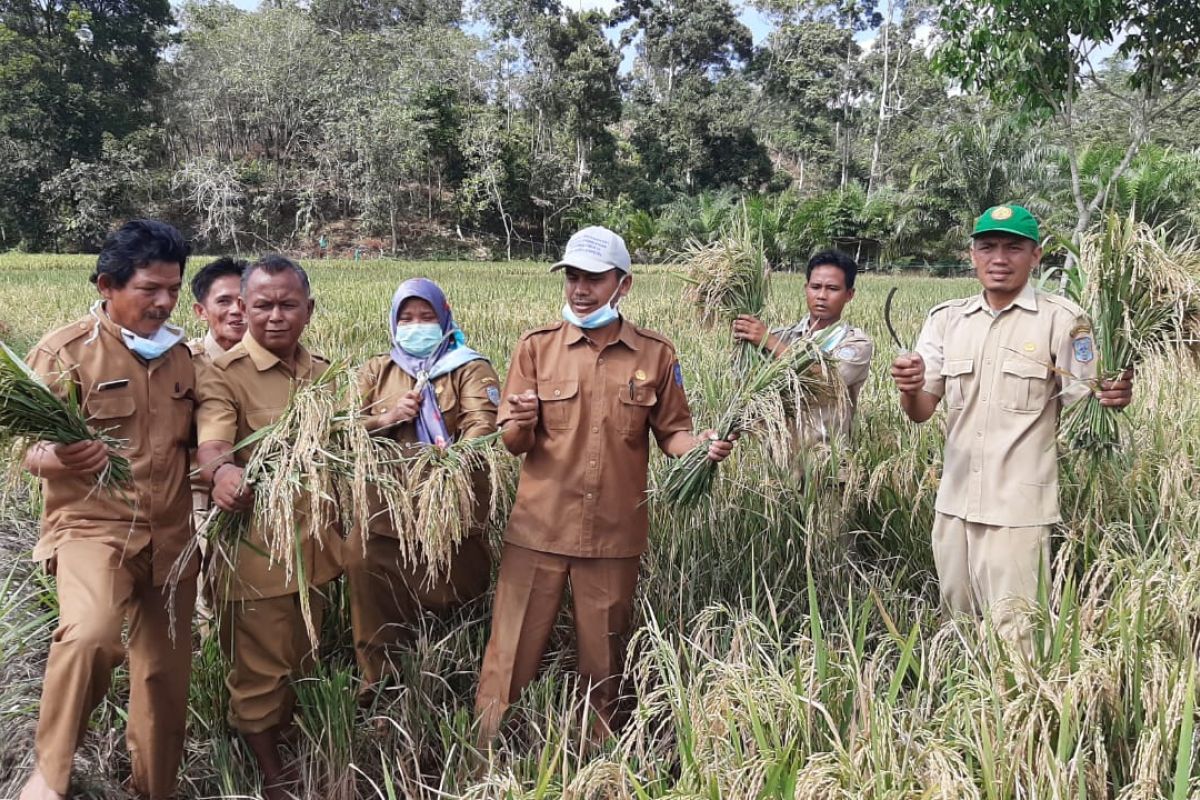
x=448 y=356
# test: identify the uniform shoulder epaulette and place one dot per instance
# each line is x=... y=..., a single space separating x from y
x=196 y=346
x=655 y=335
x=1062 y=302
x=553 y=326
x=957 y=302
x=231 y=355
x=856 y=332
x=61 y=337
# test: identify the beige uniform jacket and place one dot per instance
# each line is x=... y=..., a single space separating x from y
x=240 y=392
x=998 y=375
x=468 y=398
x=823 y=420
x=148 y=405
x=582 y=490
x=204 y=351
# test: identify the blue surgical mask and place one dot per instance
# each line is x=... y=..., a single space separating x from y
x=419 y=339
x=597 y=319
x=155 y=346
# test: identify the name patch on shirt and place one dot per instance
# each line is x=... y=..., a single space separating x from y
x=1084 y=351
x=678 y=375
x=493 y=394
x=846 y=353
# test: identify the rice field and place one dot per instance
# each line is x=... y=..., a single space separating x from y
x=788 y=643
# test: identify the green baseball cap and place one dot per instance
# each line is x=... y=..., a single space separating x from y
x=1007 y=219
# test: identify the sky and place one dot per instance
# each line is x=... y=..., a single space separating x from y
x=758 y=24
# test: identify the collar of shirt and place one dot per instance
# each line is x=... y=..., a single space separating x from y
x=211 y=348
x=1027 y=300
x=626 y=335
x=264 y=359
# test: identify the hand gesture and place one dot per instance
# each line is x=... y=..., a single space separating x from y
x=406 y=410
x=718 y=448
x=908 y=372
x=228 y=492
x=749 y=329
x=1118 y=392
x=88 y=457
x=523 y=410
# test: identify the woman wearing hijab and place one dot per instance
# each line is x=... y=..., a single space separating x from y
x=456 y=401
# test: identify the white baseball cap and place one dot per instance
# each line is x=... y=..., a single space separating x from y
x=595 y=249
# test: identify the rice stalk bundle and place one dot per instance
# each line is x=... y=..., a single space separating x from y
x=765 y=403
x=30 y=411
x=318 y=467
x=1141 y=299
x=443 y=484
x=729 y=276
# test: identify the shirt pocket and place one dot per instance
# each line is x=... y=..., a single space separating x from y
x=1024 y=386
x=957 y=373
x=559 y=403
x=633 y=416
x=183 y=413
x=259 y=418
x=112 y=413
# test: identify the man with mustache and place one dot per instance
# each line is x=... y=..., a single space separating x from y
x=110 y=551
x=828 y=288
x=1006 y=362
x=260 y=623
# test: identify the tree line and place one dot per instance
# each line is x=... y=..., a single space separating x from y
x=427 y=127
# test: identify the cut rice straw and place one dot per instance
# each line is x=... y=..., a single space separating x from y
x=30 y=411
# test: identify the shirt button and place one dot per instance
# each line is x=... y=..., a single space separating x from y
x=557 y=392
x=595 y=429
x=591 y=463
x=988 y=361
x=600 y=361
x=978 y=434
x=983 y=399
x=589 y=495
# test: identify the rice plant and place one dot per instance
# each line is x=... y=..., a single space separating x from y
x=789 y=639
x=1141 y=299
x=31 y=412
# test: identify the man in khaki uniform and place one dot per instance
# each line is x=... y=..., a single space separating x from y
x=259 y=619
x=217 y=290
x=111 y=552
x=829 y=287
x=387 y=594
x=583 y=395
x=1006 y=362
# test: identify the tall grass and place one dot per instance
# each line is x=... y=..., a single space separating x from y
x=789 y=641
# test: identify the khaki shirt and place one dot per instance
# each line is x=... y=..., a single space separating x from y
x=997 y=375
x=240 y=392
x=204 y=351
x=206 y=348
x=582 y=490
x=821 y=420
x=150 y=406
x=468 y=398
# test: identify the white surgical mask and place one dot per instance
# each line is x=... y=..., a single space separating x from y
x=600 y=317
x=154 y=346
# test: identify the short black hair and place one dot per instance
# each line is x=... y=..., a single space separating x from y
x=206 y=277
x=834 y=258
x=136 y=244
x=274 y=264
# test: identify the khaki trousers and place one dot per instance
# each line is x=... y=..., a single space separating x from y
x=388 y=596
x=268 y=647
x=988 y=569
x=528 y=596
x=98 y=590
